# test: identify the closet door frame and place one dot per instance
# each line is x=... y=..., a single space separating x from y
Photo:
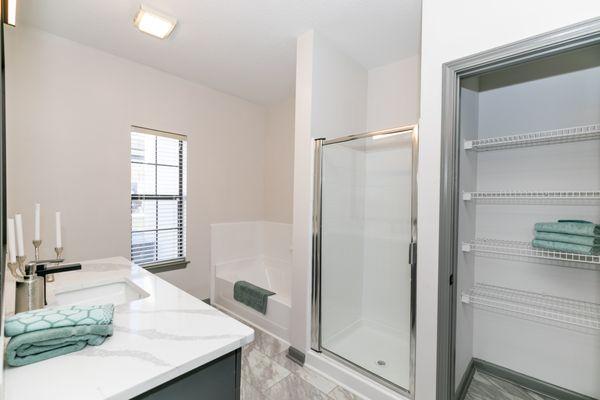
x=3 y=245
x=571 y=37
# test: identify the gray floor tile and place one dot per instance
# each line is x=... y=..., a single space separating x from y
x=260 y=371
x=293 y=387
x=487 y=387
x=249 y=392
x=267 y=374
x=518 y=392
x=309 y=375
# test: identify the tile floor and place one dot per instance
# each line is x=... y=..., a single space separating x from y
x=267 y=374
x=487 y=387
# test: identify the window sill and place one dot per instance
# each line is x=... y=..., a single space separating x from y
x=165 y=266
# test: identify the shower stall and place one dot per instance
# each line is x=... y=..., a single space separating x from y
x=364 y=247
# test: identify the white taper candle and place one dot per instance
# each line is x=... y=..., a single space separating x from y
x=36 y=224
x=19 y=226
x=58 y=230
x=12 y=250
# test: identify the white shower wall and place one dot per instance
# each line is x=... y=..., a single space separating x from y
x=336 y=96
x=387 y=214
x=370 y=191
x=366 y=227
x=342 y=238
x=366 y=231
x=393 y=94
x=332 y=93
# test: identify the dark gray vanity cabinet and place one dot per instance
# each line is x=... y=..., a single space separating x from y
x=217 y=380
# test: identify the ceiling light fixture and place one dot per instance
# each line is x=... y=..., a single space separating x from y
x=154 y=23
x=11 y=12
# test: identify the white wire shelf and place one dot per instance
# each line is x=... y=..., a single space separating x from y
x=568 y=313
x=535 y=197
x=516 y=249
x=574 y=134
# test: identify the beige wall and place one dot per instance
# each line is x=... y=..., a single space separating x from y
x=279 y=162
x=69 y=110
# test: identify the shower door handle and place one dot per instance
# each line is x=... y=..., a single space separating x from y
x=412 y=253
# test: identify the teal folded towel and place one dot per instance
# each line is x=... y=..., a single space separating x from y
x=571 y=227
x=566 y=247
x=41 y=345
x=566 y=238
x=252 y=295
x=41 y=334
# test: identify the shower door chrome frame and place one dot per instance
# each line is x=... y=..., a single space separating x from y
x=316 y=343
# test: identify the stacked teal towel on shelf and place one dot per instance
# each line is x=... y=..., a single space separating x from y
x=565 y=238
x=571 y=236
x=566 y=247
x=570 y=227
x=50 y=332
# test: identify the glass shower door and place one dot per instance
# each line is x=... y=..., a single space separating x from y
x=365 y=234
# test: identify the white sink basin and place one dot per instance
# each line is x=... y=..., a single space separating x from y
x=120 y=292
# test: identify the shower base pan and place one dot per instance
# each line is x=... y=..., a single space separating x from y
x=376 y=348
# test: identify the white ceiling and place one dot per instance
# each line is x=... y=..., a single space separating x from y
x=243 y=47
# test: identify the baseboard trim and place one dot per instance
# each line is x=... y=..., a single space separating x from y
x=527 y=382
x=463 y=386
x=296 y=356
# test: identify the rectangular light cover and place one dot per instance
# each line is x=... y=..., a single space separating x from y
x=11 y=12
x=154 y=23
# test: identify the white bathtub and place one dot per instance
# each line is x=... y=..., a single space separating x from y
x=259 y=253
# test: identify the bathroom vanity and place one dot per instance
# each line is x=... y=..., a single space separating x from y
x=166 y=343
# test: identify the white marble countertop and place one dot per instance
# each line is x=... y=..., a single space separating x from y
x=155 y=339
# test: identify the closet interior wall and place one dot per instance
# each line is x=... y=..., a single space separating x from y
x=561 y=91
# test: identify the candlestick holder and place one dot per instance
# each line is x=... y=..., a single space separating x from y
x=21 y=264
x=22 y=270
x=58 y=251
x=36 y=248
x=14 y=270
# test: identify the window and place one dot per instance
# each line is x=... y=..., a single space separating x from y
x=158 y=196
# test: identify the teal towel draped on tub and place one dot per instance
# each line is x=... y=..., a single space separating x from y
x=566 y=247
x=50 y=332
x=571 y=227
x=251 y=295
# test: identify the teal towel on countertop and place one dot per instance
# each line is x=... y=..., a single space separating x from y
x=566 y=247
x=251 y=295
x=40 y=345
x=566 y=238
x=49 y=332
x=58 y=317
x=571 y=227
